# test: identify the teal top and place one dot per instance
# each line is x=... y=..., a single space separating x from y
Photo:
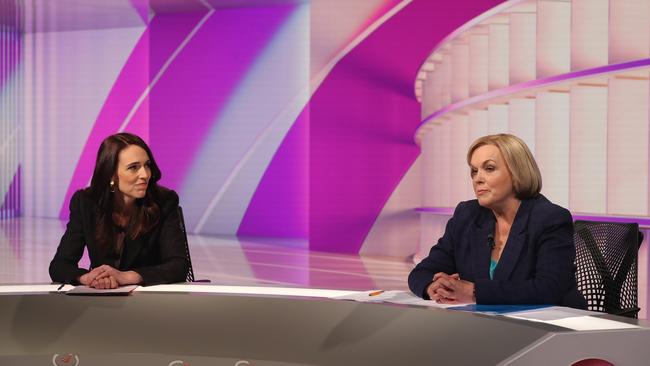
x=493 y=266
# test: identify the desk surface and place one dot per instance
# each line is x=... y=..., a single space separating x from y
x=218 y=329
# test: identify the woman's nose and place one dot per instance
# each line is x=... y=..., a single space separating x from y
x=144 y=172
x=478 y=177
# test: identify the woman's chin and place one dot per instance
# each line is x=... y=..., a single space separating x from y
x=483 y=201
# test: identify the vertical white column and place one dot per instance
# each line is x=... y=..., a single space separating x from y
x=589 y=33
x=627 y=146
x=444 y=163
x=445 y=80
x=552 y=144
x=478 y=127
x=629 y=30
x=428 y=146
x=553 y=38
x=459 y=177
x=460 y=71
x=478 y=62
x=478 y=124
x=432 y=228
x=497 y=118
x=521 y=120
x=588 y=153
x=523 y=33
x=498 y=50
x=436 y=83
x=428 y=102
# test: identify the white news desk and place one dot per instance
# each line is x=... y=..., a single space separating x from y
x=207 y=325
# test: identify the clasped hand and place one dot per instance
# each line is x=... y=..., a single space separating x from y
x=105 y=276
x=450 y=289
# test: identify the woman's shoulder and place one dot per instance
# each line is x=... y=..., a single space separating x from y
x=82 y=197
x=467 y=207
x=167 y=198
x=468 y=210
x=548 y=211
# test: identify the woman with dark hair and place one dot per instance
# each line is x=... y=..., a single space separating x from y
x=128 y=222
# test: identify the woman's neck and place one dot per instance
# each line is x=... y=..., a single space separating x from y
x=507 y=212
x=124 y=207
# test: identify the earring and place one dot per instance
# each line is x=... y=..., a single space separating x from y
x=112 y=187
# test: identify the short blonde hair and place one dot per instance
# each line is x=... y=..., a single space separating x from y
x=526 y=177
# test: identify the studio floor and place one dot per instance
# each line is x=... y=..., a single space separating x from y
x=28 y=244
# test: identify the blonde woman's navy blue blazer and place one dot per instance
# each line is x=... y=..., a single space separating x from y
x=536 y=266
x=158 y=255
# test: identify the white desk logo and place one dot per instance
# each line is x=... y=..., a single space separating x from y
x=65 y=360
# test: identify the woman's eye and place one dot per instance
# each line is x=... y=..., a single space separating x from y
x=132 y=167
x=489 y=168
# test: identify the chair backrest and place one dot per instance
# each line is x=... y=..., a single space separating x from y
x=606 y=260
x=181 y=220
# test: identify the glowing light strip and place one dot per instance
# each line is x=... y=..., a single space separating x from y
x=643 y=221
x=17 y=289
x=247 y=290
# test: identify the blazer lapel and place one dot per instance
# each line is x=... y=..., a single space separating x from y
x=484 y=226
x=516 y=241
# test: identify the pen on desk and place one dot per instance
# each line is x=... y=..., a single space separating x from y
x=375 y=293
x=60 y=287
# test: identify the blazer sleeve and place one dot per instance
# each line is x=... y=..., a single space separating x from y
x=64 y=266
x=440 y=258
x=554 y=269
x=173 y=265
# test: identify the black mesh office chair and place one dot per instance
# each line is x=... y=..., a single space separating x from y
x=606 y=260
x=190 y=272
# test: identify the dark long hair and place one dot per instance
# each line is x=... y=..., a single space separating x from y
x=146 y=213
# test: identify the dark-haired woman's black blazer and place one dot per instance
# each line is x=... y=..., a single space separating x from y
x=158 y=256
x=536 y=266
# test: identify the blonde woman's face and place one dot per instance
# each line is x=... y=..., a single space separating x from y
x=491 y=179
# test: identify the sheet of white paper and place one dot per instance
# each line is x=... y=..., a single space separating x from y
x=367 y=296
x=8 y=289
x=550 y=313
x=591 y=323
x=394 y=297
x=247 y=290
x=85 y=290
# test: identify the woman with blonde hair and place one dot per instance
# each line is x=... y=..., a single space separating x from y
x=510 y=245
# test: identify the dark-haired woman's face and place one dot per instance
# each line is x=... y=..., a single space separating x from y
x=133 y=172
